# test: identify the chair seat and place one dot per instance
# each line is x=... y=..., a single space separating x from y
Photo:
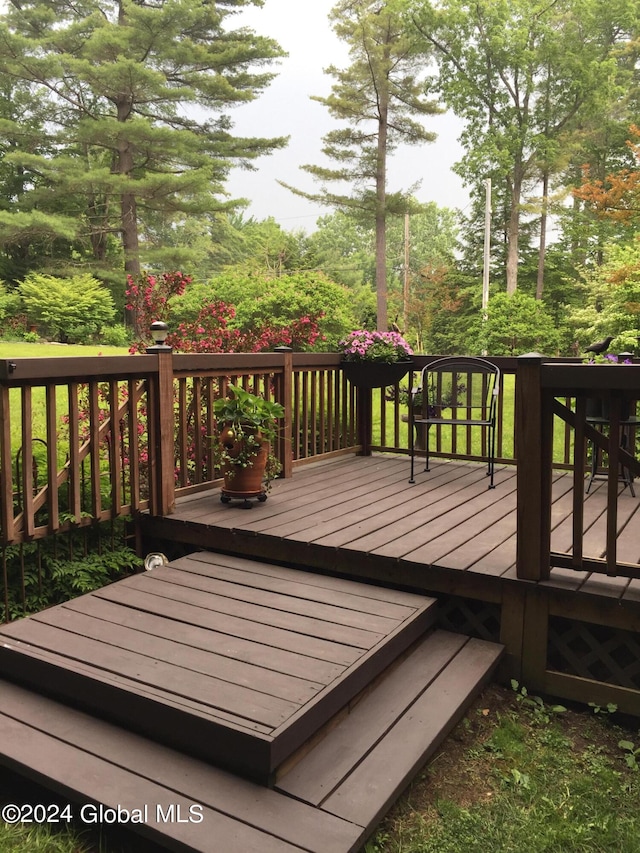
x=456 y=421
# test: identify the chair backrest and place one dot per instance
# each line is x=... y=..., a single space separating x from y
x=460 y=387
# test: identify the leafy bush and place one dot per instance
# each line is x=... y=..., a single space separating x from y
x=516 y=324
x=9 y=303
x=59 y=568
x=115 y=336
x=261 y=301
x=70 y=310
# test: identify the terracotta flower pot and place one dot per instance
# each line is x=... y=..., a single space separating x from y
x=243 y=481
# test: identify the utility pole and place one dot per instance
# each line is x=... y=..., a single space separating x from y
x=487 y=253
x=405 y=292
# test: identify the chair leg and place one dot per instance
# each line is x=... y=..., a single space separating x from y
x=411 y=442
x=426 y=447
x=492 y=455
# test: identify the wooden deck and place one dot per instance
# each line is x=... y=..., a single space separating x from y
x=359 y=516
x=157 y=696
x=236 y=662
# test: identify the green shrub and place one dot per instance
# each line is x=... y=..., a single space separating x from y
x=61 y=567
x=70 y=310
x=115 y=336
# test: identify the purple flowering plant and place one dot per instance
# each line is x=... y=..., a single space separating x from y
x=609 y=358
x=362 y=345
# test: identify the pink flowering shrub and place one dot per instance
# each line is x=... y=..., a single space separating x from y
x=362 y=345
x=212 y=331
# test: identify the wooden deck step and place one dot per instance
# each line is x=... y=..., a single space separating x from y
x=330 y=801
x=234 y=661
x=364 y=763
x=190 y=805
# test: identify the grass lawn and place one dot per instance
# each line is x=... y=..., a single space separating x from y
x=21 y=349
x=514 y=777
x=511 y=778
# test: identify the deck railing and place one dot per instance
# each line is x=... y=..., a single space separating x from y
x=93 y=439
x=550 y=394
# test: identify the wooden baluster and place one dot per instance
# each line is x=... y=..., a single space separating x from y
x=6 y=471
x=578 y=482
x=28 y=521
x=52 y=458
x=613 y=485
x=284 y=396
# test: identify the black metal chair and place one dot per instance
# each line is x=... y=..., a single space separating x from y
x=460 y=391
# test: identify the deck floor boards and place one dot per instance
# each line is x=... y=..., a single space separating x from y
x=348 y=512
x=77 y=754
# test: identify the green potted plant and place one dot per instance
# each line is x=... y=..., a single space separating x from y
x=375 y=359
x=246 y=426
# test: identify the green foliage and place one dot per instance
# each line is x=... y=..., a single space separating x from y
x=241 y=408
x=379 y=100
x=508 y=784
x=632 y=753
x=60 y=568
x=532 y=83
x=244 y=421
x=68 y=309
x=9 y=302
x=276 y=301
x=535 y=704
x=611 y=301
x=42 y=838
x=515 y=325
x=610 y=708
x=115 y=336
x=123 y=126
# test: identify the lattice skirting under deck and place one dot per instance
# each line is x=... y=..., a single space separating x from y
x=598 y=652
x=468 y=616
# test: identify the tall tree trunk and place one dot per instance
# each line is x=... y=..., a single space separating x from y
x=542 y=247
x=128 y=204
x=513 y=231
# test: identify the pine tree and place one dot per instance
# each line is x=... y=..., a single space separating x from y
x=136 y=98
x=377 y=97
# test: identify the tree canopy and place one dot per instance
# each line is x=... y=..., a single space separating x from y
x=123 y=119
x=528 y=79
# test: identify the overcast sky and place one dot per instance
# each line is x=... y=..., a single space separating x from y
x=302 y=29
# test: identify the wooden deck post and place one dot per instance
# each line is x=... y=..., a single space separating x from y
x=533 y=443
x=6 y=467
x=284 y=396
x=161 y=439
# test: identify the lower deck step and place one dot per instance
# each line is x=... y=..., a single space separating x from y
x=364 y=763
x=329 y=802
